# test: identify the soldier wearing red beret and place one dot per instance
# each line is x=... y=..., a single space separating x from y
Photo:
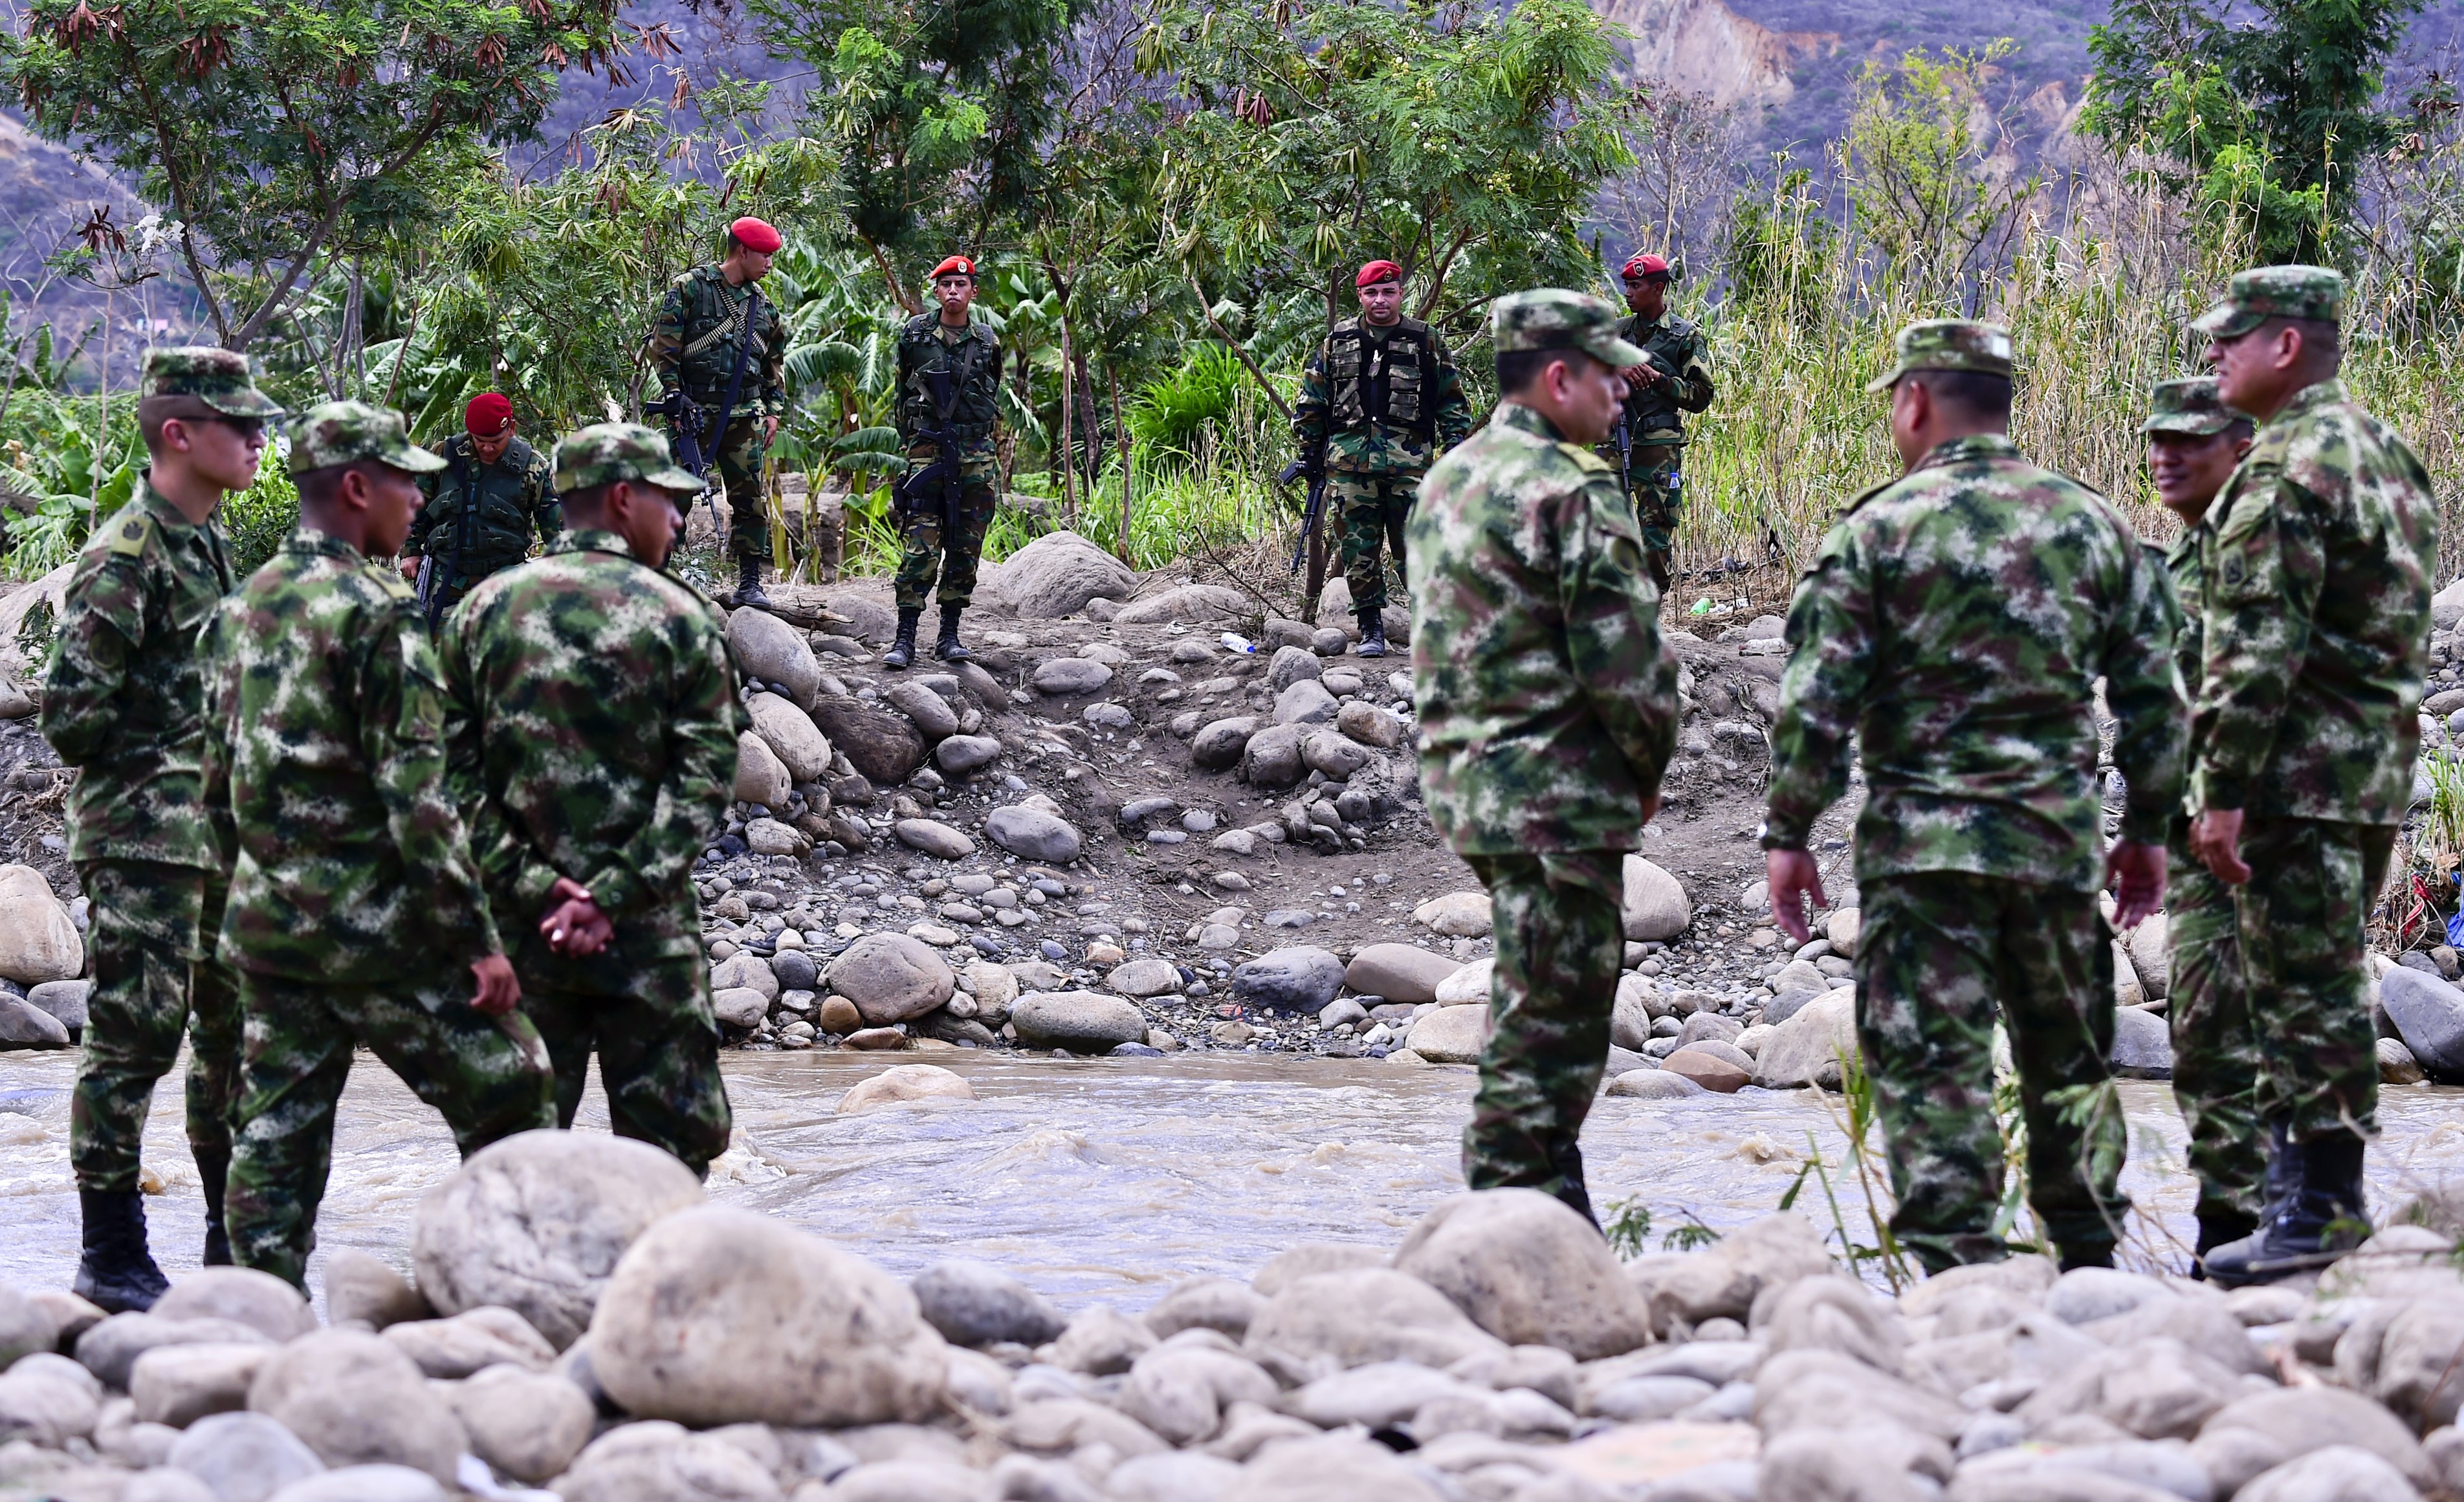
x=949 y=390
x=482 y=508
x=1658 y=394
x=699 y=346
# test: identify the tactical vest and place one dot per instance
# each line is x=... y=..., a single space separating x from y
x=1382 y=381
x=497 y=532
x=1651 y=409
x=921 y=350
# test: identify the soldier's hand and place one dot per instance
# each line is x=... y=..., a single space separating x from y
x=574 y=926
x=410 y=565
x=1640 y=376
x=2215 y=839
x=498 y=991
x=1794 y=877
x=2135 y=874
x=769 y=429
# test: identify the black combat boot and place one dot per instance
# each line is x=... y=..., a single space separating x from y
x=117 y=1274
x=902 y=651
x=2320 y=1219
x=748 y=585
x=1372 y=633
x=949 y=648
x=213 y=1175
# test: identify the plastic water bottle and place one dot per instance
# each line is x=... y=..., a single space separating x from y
x=1234 y=642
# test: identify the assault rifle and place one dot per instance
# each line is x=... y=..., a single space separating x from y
x=943 y=480
x=433 y=581
x=1311 y=466
x=1623 y=433
x=695 y=445
x=685 y=430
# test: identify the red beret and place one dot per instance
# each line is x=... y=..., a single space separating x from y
x=756 y=234
x=953 y=266
x=1376 y=272
x=1642 y=266
x=489 y=414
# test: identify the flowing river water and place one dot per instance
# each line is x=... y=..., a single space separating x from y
x=1110 y=1180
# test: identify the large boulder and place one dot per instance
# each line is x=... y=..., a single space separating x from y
x=1302 y=978
x=25 y=1327
x=1291 y=664
x=259 y=1300
x=2143 y=1045
x=1457 y=915
x=1339 y=1468
x=355 y=1399
x=761 y=777
x=1083 y=1022
x=1721 y=1280
x=1270 y=758
x=1057 y=574
x=536 y=1222
x=769 y=651
x=903 y=1083
x=1450 y=1034
x=720 y=1315
x=1033 y=834
x=1656 y=909
x=1218 y=745
x=891 y=977
x=932 y=715
x=527 y=1424
x=2430 y=1015
x=802 y=747
x=2255 y=1434
x=975 y=1305
x=1189 y=603
x=655 y=1459
x=1806 y=1049
x=23 y=1025
x=240 y=1456
x=2151 y=956
x=1352 y=1318
x=1399 y=972
x=1529 y=1270
x=882 y=746
x=38 y=941
x=111 y=1348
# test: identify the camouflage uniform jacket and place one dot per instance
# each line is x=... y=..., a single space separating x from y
x=694 y=342
x=325 y=777
x=1679 y=351
x=1547 y=698
x=973 y=357
x=1956 y=620
x=1384 y=401
x=517 y=497
x=124 y=700
x=2189 y=636
x=2317 y=612
x=592 y=719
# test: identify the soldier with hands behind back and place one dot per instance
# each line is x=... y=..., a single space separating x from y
x=1672 y=380
x=482 y=507
x=124 y=702
x=719 y=351
x=949 y=405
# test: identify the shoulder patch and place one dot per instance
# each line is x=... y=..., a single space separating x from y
x=128 y=534
x=1585 y=459
x=391 y=583
x=1865 y=495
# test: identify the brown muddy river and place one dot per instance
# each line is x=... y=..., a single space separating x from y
x=1108 y=1180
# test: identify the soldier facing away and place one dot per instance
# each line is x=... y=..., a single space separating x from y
x=124 y=702
x=1672 y=380
x=592 y=721
x=1955 y=621
x=2194 y=441
x=2315 y=586
x=1548 y=708
x=355 y=918
x=1378 y=401
x=949 y=391
x=482 y=507
x=714 y=332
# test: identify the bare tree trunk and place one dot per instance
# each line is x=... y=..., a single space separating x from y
x=1121 y=445
x=1068 y=426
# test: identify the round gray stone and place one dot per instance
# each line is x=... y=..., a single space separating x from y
x=1033 y=834
x=1300 y=979
x=1083 y=1022
x=1070 y=676
x=974 y=1305
x=891 y=977
x=959 y=754
x=1217 y=747
x=933 y=838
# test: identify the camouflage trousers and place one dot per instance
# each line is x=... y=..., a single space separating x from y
x=658 y=1057
x=928 y=547
x=1370 y=511
x=2216 y=1059
x=1936 y=952
x=488 y=1076
x=1657 y=488
x=149 y=928
x=2301 y=912
x=736 y=470
x=469 y=577
x=1559 y=939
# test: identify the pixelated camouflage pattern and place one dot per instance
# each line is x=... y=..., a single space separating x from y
x=516 y=499
x=2300 y=920
x=698 y=302
x=2216 y=1056
x=2193 y=405
x=1939 y=955
x=1547 y=697
x=1560 y=941
x=2253 y=297
x=342 y=432
x=1955 y=621
x=1370 y=511
x=213 y=375
x=1947 y=345
x=1656 y=482
x=1677 y=350
x=487 y=1076
x=124 y=699
x=658 y=1041
x=1555 y=317
x=325 y=776
x=2316 y=603
x=925 y=553
x=1384 y=401
x=735 y=474
x=604 y=454
x=973 y=357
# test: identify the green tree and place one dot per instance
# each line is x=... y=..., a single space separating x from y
x=1937 y=196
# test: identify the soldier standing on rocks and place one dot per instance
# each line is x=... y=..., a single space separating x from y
x=2315 y=584
x=2194 y=441
x=124 y=702
x=1955 y=621
x=1548 y=711
x=592 y=722
x=1671 y=382
x=949 y=384
x=698 y=347
x=354 y=905
x=482 y=507
x=1379 y=400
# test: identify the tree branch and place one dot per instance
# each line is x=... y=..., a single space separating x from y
x=1226 y=335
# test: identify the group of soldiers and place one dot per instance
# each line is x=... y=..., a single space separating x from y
x=2263 y=679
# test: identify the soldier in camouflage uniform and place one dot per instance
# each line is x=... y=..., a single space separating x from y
x=2193 y=441
x=356 y=916
x=593 y=720
x=482 y=507
x=950 y=350
x=1379 y=400
x=124 y=702
x=1548 y=711
x=1955 y=621
x=1672 y=382
x=2316 y=584
x=695 y=344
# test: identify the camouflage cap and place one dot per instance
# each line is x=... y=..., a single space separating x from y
x=215 y=376
x=606 y=453
x=2190 y=405
x=341 y=432
x=2253 y=297
x=1948 y=345
x=1553 y=318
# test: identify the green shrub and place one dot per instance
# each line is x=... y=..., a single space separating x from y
x=261 y=517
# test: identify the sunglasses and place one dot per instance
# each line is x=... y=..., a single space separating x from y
x=245 y=427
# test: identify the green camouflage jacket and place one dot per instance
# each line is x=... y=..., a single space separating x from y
x=693 y=341
x=974 y=359
x=2189 y=636
x=517 y=498
x=1956 y=620
x=325 y=777
x=1655 y=413
x=1545 y=696
x=2316 y=588
x=592 y=719
x=1383 y=401
x=124 y=700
